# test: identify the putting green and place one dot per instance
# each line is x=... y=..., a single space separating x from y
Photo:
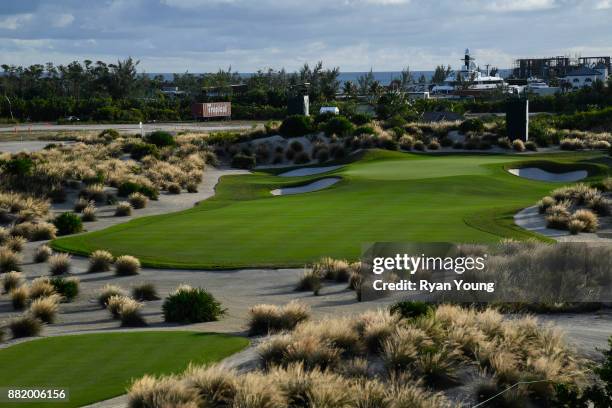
x=384 y=196
x=95 y=367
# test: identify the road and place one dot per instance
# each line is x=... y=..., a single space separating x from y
x=129 y=127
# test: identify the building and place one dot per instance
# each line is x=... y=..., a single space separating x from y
x=584 y=76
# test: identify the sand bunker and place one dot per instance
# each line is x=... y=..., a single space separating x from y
x=314 y=186
x=534 y=173
x=308 y=171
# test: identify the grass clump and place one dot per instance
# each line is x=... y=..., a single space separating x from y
x=191 y=305
x=15 y=243
x=411 y=309
x=310 y=281
x=100 y=261
x=25 y=326
x=59 y=264
x=123 y=209
x=264 y=319
x=20 y=297
x=89 y=213
x=45 y=308
x=9 y=260
x=107 y=292
x=114 y=305
x=145 y=291
x=68 y=288
x=588 y=218
x=138 y=200
x=42 y=253
x=11 y=281
x=130 y=314
x=41 y=287
x=127 y=265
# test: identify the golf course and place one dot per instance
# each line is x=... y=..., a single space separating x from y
x=382 y=196
x=107 y=362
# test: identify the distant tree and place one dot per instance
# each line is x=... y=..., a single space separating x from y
x=350 y=89
x=365 y=82
x=440 y=74
x=406 y=78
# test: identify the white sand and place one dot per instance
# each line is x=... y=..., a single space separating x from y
x=308 y=188
x=308 y=171
x=534 y=173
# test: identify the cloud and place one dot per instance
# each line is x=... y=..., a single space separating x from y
x=14 y=22
x=603 y=5
x=520 y=5
x=62 y=20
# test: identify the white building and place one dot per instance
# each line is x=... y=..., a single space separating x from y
x=585 y=76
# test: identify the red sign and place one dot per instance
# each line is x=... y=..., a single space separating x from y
x=212 y=109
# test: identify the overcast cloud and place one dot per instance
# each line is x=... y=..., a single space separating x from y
x=204 y=35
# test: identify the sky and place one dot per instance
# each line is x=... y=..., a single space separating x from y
x=355 y=35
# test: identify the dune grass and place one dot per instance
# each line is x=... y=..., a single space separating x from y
x=95 y=367
x=384 y=196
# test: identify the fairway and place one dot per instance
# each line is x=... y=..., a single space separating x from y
x=95 y=367
x=384 y=196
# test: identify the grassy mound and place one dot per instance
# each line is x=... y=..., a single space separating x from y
x=95 y=367
x=385 y=196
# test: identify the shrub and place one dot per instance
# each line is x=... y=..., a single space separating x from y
x=89 y=213
x=545 y=203
x=130 y=314
x=419 y=145
x=243 y=161
x=472 y=125
x=191 y=305
x=94 y=192
x=80 y=204
x=434 y=145
x=68 y=288
x=109 y=134
x=589 y=218
x=9 y=260
x=59 y=264
x=107 y=292
x=301 y=158
x=337 y=151
x=160 y=138
x=11 y=280
x=599 y=204
x=310 y=281
x=68 y=223
x=529 y=145
x=149 y=392
x=45 y=308
x=340 y=126
x=364 y=130
x=174 y=188
x=42 y=253
x=140 y=150
x=114 y=304
x=296 y=125
x=409 y=309
x=192 y=188
x=322 y=155
x=41 y=287
x=360 y=118
x=406 y=142
x=126 y=265
x=15 y=243
x=576 y=226
x=518 y=145
x=20 y=297
x=571 y=144
x=35 y=231
x=25 y=326
x=100 y=261
x=557 y=221
x=138 y=200
x=123 y=209
x=504 y=143
x=266 y=319
x=127 y=188
x=145 y=291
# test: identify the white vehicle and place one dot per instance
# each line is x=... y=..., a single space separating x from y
x=474 y=79
x=329 y=109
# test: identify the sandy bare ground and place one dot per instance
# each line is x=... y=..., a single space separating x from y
x=25 y=146
x=131 y=127
x=534 y=173
x=309 y=171
x=308 y=188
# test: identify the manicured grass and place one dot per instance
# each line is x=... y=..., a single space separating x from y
x=96 y=367
x=385 y=196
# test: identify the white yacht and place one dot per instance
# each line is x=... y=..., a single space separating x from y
x=469 y=78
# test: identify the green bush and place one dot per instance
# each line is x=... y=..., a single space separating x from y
x=191 y=305
x=409 y=310
x=140 y=150
x=68 y=223
x=145 y=291
x=243 y=161
x=68 y=288
x=339 y=125
x=19 y=166
x=296 y=125
x=471 y=125
x=361 y=118
x=160 y=138
x=109 y=134
x=364 y=130
x=395 y=121
x=130 y=187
